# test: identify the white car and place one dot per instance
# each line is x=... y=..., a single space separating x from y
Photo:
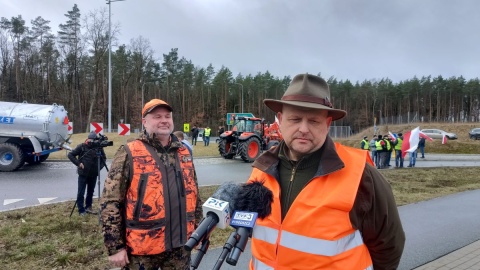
x=438 y=134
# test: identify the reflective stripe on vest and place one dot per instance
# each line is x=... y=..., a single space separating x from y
x=309 y=244
x=258 y=265
x=145 y=202
x=316 y=233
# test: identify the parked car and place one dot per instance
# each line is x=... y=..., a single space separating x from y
x=474 y=134
x=438 y=134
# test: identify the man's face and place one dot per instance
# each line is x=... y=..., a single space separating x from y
x=304 y=130
x=159 y=121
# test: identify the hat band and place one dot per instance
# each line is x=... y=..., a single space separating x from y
x=309 y=99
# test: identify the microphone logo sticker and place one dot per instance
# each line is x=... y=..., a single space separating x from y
x=244 y=219
x=216 y=204
x=243 y=216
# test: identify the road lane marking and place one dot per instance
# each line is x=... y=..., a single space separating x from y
x=44 y=200
x=10 y=201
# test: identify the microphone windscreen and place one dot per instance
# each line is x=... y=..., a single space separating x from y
x=254 y=197
x=228 y=192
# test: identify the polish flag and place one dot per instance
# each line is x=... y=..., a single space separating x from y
x=410 y=141
x=423 y=135
x=444 y=139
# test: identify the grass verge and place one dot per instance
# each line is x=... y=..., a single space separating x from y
x=45 y=237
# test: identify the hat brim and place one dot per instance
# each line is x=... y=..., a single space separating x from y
x=276 y=106
x=158 y=105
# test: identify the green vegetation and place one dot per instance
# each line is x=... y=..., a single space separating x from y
x=45 y=237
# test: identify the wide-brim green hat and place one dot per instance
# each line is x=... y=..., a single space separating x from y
x=307 y=91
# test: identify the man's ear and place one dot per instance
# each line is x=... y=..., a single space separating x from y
x=279 y=117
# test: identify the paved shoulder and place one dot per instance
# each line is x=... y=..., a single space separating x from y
x=437 y=227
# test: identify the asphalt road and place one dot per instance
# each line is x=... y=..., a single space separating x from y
x=50 y=182
x=433 y=228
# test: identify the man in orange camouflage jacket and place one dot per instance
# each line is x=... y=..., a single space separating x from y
x=150 y=203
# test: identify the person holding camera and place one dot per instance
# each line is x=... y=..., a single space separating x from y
x=86 y=157
x=151 y=203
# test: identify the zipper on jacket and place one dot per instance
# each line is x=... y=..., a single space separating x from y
x=142 y=184
x=181 y=193
x=290 y=184
x=179 y=181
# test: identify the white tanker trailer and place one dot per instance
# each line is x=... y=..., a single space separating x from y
x=30 y=132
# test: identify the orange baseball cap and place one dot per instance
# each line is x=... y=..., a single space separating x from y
x=152 y=104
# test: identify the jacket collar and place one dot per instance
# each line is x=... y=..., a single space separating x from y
x=329 y=159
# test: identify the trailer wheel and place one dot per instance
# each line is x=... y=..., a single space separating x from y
x=11 y=157
x=224 y=149
x=250 y=149
x=31 y=159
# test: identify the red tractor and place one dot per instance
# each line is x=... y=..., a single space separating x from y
x=248 y=138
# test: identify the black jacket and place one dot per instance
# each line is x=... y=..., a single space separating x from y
x=88 y=156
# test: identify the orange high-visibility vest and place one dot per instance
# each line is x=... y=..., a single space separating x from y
x=316 y=233
x=145 y=202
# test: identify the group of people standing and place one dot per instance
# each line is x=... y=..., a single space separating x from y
x=150 y=203
x=195 y=131
x=382 y=147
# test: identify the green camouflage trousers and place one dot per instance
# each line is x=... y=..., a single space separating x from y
x=175 y=259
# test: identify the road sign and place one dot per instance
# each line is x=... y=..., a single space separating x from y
x=70 y=128
x=231 y=117
x=96 y=127
x=123 y=129
x=186 y=127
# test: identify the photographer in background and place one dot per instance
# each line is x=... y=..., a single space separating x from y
x=85 y=157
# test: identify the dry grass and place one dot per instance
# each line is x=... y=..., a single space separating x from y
x=461 y=146
x=45 y=237
x=199 y=150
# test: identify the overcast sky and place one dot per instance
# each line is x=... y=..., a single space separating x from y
x=356 y=40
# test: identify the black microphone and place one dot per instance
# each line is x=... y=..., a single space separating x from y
x=216 y=213
x=253 y=200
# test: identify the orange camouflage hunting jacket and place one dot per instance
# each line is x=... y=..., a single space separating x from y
x=160 y=201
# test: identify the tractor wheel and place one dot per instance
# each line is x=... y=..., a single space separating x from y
x=272 y=144
x=250 y=149
x=224 y=149
x=11 y=157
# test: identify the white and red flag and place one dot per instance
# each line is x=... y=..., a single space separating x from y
x=423 y=135
x=444 y=139
x=410 y=141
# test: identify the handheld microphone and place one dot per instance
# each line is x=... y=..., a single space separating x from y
x=253 y=201
x=216 y=213
x=243 y=221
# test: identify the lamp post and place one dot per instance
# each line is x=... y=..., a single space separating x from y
x=143 y=94
x=110 y=63
x=242 y=93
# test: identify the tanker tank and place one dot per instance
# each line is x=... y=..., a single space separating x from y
x=30 y=132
